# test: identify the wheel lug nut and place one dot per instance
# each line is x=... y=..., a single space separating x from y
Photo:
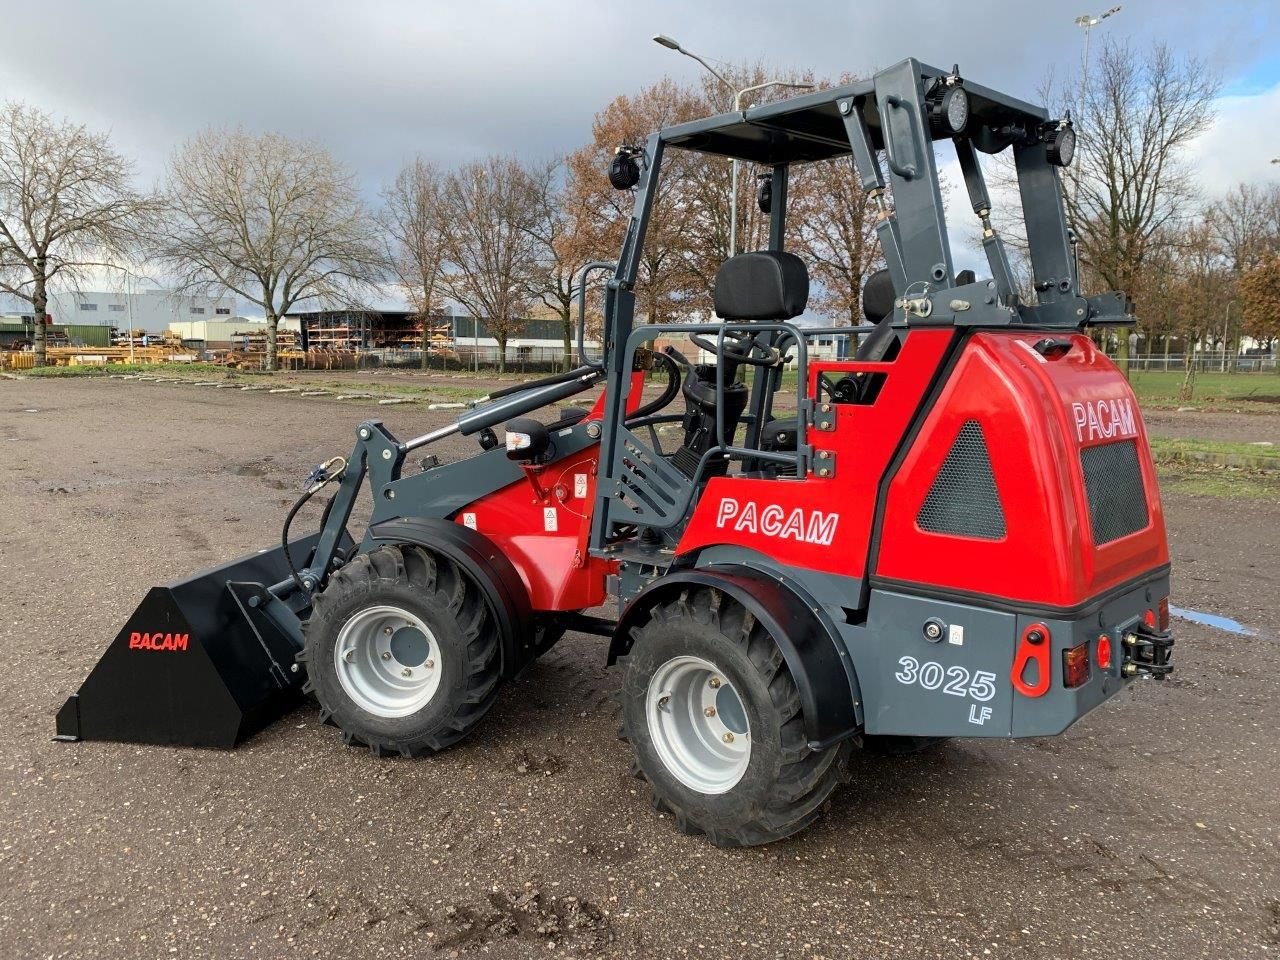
x=715 y=683
x=386 y=655
x=430 y=664
x=728 y=738
x=406 y=672
x=662 y=702
x=349 y=656
x=709 y=712
x=387 y=631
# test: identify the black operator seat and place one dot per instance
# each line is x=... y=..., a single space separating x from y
x=759 y=287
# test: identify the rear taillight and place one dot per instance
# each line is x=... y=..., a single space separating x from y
x=1103 y=653
x=1164 y=613
x=1075 y=665
x=1149 y=618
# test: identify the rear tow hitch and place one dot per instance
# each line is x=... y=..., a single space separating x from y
x=1148 y=652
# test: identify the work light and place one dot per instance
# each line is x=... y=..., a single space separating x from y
x=624 y=172
x=1060 y=143
x=948 y=109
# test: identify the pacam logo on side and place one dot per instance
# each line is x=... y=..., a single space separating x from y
x=772 y=520
x=1104 y=419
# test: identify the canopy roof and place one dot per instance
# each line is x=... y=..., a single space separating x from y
x=810 y=127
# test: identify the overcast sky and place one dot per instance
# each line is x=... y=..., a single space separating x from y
x=380 y=80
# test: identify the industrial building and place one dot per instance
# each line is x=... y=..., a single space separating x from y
x=225 y=333
x=151 y=310
x=538 y=340
x=18 y=330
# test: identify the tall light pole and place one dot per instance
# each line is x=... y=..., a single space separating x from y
x=1088 y=21
x=670 y=44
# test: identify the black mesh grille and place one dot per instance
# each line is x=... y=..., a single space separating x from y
x=963 y=499
x=1113 y=482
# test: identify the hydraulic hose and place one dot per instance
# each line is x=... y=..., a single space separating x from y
x=316 y=480
x=668 y=393
x=284 y=534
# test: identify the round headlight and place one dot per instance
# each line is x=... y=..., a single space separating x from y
x=1060 y=145
x=957 y=103
x=624 y=172
x=948 y=111
x=764 y=194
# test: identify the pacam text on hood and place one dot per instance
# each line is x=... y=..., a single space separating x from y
x=1104 y=419
x=772 y=520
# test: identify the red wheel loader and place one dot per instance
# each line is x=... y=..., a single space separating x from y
x=955 y=532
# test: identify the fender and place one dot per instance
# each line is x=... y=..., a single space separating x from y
x=486 y=565
x=813 y=652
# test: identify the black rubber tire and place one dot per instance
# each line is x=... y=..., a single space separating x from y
x=435 y=589
x=786 y=783
x=889 y=745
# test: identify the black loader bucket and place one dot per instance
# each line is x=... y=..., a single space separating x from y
x=203 y=662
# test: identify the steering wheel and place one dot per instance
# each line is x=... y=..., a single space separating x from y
x=740 y=348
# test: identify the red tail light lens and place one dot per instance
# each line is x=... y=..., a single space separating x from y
x=1103 y=653
x=1075 y=665
x=1164 y=613
x=1149 y=618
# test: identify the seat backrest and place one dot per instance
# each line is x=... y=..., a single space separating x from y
x=765 y=285
x=877 y=307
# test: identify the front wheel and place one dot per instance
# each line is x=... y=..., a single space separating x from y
x=401 y=651
x=713 y=715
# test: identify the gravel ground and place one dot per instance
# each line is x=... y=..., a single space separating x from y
x=1256 y=427
x=1148 y=830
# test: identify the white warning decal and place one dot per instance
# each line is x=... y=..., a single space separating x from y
x=469 y=520
x=955 y=634
x=580 y=486
x=549 y=522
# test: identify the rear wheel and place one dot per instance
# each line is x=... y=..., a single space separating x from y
x=714 y=717
x=401 y=651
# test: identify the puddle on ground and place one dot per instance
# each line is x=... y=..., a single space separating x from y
x=1213 y=620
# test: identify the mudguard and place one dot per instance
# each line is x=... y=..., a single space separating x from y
x=486 y=565
x=814 y=654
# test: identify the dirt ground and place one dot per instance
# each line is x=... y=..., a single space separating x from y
x=1148 y=830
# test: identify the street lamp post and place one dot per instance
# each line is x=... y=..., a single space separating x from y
x=1088 y=21
x=670 y=44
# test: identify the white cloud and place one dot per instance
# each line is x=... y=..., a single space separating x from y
x=1240 y=145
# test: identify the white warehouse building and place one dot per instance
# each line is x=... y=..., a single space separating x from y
x=150 y=310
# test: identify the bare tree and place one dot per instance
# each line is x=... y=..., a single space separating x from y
x=413 y=223
x=275 y=220
x=66 y=206
x=551 y=227
x=1128 y=182
x=601 y=214
x=490 y=251
x=1198 y=291
x=836 y=228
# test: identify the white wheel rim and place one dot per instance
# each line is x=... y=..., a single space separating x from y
x=698 y=725
x=388 y=661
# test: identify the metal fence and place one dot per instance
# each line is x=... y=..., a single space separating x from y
x=519 y=359
x=1209 y=361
